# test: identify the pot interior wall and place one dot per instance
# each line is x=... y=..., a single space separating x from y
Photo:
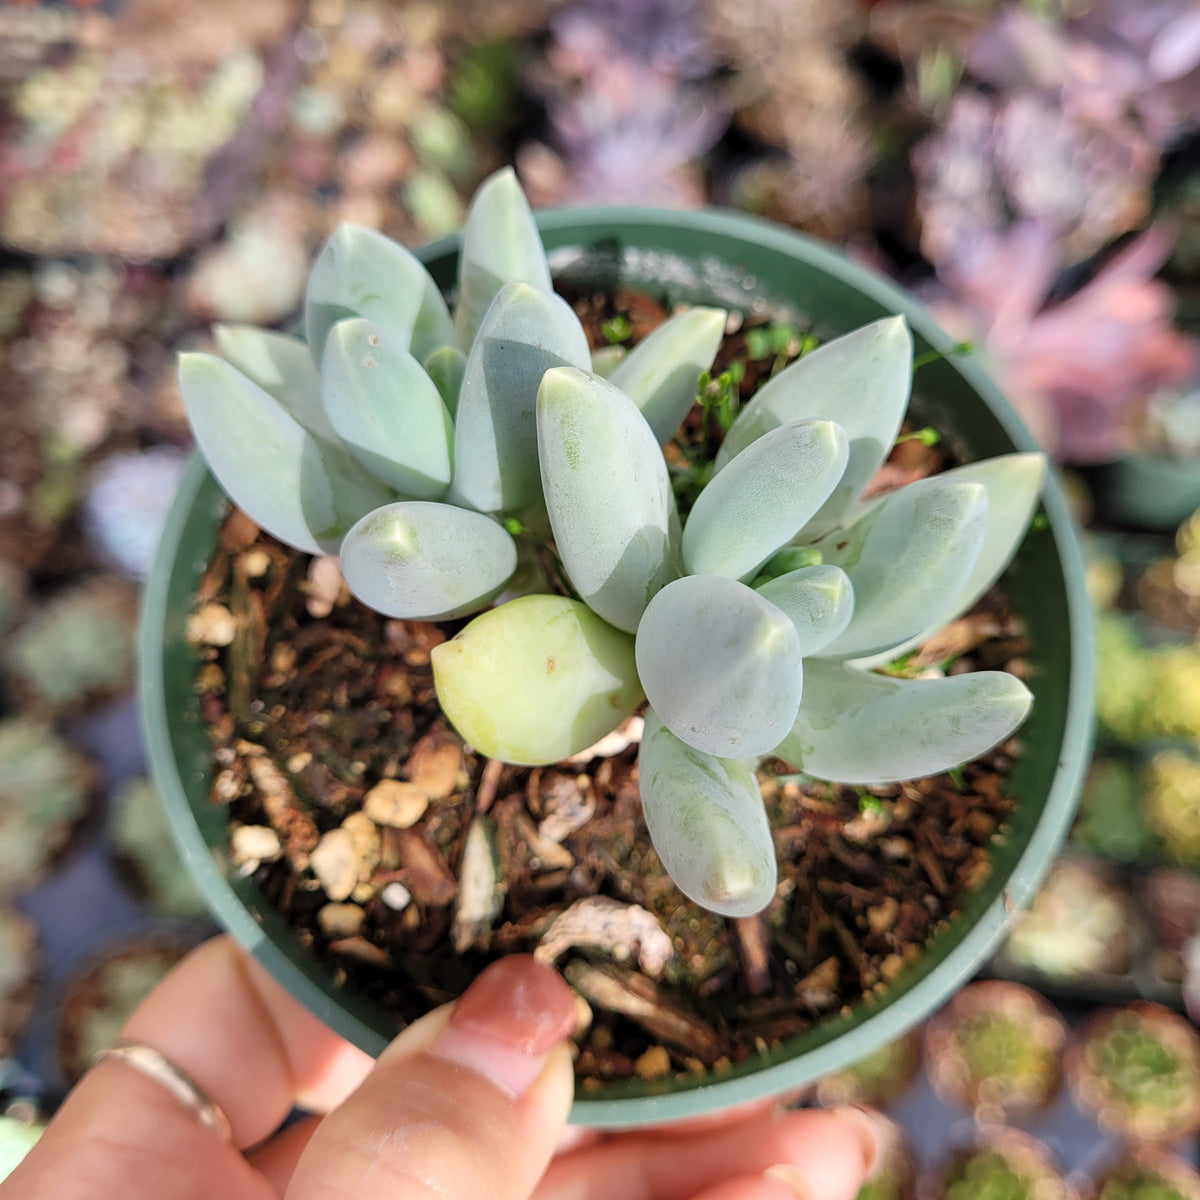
x=730 y=260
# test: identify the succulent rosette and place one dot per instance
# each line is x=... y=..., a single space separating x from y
x=446 y=459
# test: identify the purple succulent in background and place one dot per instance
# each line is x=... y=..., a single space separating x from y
x=1080 y=371
x=1114 y=59
x=623 y=85
x=1021 y=155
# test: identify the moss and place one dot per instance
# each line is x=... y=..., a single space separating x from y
x=999 y=1048
x=986 y=1175
x=1143 y=1184
x=1138 y=1068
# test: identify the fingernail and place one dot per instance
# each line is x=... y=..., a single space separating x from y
x=872 y=1132
x=507 y=1022
x=790 y=1178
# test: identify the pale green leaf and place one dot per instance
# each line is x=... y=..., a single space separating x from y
x=706 y=818
x=305 y=491
x=662 y=371
x=536 y=680
x=445 y=366
x=818 y=600
x=525 y=333
x=862 y=381
x=763 y=498
x=386 y=409
x=282 y=367
x=1013 y=482
x=720 y=665
x=905 y=555
x=857 y=727
x=426 y=562
x=607 y=493
x=362 y=273
x=500 y=245
x=606 y=359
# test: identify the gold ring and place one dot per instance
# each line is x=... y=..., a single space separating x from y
x=153 y=1064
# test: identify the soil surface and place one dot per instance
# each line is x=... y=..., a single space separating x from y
x=407 y=862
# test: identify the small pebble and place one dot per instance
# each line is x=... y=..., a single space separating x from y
x=324 y=585
x=395 y=803
x=396 y=896
x=335 y=863
x=212 y=625
x=255 y=562
x=653 y=1063
x=255 y=844
x=341 y=920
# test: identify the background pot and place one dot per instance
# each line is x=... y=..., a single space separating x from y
x=739 y=262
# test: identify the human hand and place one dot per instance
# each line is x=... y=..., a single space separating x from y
x=469 y=1103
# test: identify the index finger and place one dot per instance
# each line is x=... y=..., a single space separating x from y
x=254 y=1050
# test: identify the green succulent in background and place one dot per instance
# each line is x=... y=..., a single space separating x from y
x=987 y=1175
x=44 y=786
x=1110 y=819
x=1173 y=803
x=140 y=831
x=431 y=451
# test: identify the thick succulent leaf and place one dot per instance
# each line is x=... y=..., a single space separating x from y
x=720 y=665
x=818 y=600
x=536 y=680
x=607 y=493
x=445 y=366
x=858 y=727
x=905 y=556
x=661 y=373
x=606 y=359
x=1013 y=482
x=525 y=333
x=305 y=491
x=706 y=818
x=763 y=498
x=862 y=381
x=386 y=410
x=500 y=245
x=282 y=367
x=362 y=273
x=427 y=562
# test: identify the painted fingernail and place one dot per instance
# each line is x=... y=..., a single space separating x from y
x=507 y=1022
x=872 y=1133
x=790 y=1178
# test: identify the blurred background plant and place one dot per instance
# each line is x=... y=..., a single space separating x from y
x=1031 y=167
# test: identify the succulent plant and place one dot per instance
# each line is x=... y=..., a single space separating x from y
x=433 y=453
x=43 y=791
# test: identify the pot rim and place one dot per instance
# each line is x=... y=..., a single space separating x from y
x=906 y=1005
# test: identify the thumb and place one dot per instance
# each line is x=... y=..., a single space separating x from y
x=467 y=1102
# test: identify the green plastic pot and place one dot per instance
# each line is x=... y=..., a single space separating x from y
x=736 y=261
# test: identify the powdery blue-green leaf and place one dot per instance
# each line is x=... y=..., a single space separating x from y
x=536 y=680
x=445 y=366
x=362 y=273
x=305 y=491
x=427 y=562
x=706 y=818
x=1013 y=482
x=862 y=381
x=720 y=665
x=660 y=374
x=905 y=555
x=606 y=359
x=500 y=245
x=282 y=367
x=861 y=728
x=607 y=493
x=763 y=498
x=525 y=333
x=818 y=600
x=386 y=409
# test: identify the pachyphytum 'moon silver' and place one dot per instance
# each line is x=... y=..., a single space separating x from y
x=413 y=443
